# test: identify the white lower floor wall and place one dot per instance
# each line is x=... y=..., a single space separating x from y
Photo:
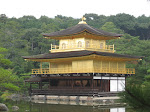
x=116 y=83
x=117 y=110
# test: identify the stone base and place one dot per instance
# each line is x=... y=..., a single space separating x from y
x=76 y=100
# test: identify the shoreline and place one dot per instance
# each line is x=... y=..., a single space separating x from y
x=78 y=100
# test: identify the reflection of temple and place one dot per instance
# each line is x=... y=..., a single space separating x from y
x=53 y=107
x=82 y=63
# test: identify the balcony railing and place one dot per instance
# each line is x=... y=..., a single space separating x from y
x=83 y=70
x=74 y=47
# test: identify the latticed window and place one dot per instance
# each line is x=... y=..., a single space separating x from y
x=87 y=44
x=63 y=46
x=79 y=44
x=101 y=46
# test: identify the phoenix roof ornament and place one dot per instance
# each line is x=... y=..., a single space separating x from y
x=82 y=22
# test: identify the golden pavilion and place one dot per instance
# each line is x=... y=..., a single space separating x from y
x=81 y=64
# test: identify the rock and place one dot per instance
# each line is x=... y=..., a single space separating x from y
x=16 y=97
x=3 y=107
x=15 y=108
x=26 y=98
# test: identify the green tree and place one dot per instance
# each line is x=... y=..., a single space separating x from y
x=95 y=20
x=7 y=79
x=124 y=21
x=110 y=27
x=137 y=94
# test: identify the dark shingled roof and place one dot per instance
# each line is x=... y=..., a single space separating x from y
x=77 y=54
x=81 y=28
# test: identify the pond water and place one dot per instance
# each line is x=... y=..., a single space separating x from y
x=44 y=107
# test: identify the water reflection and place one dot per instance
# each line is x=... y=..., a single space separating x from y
x=71 y=108
x=44 y=107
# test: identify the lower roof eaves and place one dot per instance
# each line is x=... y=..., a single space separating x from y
x=72 y=54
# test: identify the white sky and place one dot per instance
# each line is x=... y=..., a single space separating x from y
x=73 y=8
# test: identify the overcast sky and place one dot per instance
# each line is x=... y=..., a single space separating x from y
x=73 y=8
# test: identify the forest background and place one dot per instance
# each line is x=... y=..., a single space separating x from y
x=23 y=37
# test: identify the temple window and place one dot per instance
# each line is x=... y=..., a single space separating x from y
x=101 y=45
x=63 y=46
x=79 y=44
x=87 y=44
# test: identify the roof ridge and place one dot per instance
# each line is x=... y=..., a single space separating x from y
x=77 y=29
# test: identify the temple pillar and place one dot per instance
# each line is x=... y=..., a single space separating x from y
x=103 y=85
x=92 y=83
x=40 y=85
x=72 y=83
x=82 y=83
x=49 y=84
x=109 y=86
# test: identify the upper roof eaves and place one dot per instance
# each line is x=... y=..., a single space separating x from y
x=79 y=28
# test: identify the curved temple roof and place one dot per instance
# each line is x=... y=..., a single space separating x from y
x=78 y=54
x=79 y=28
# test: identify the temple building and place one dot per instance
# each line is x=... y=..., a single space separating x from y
x=81 y=64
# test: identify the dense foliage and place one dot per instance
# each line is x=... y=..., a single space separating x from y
x=137 y=94
x=23 y=36
x=7 y=79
